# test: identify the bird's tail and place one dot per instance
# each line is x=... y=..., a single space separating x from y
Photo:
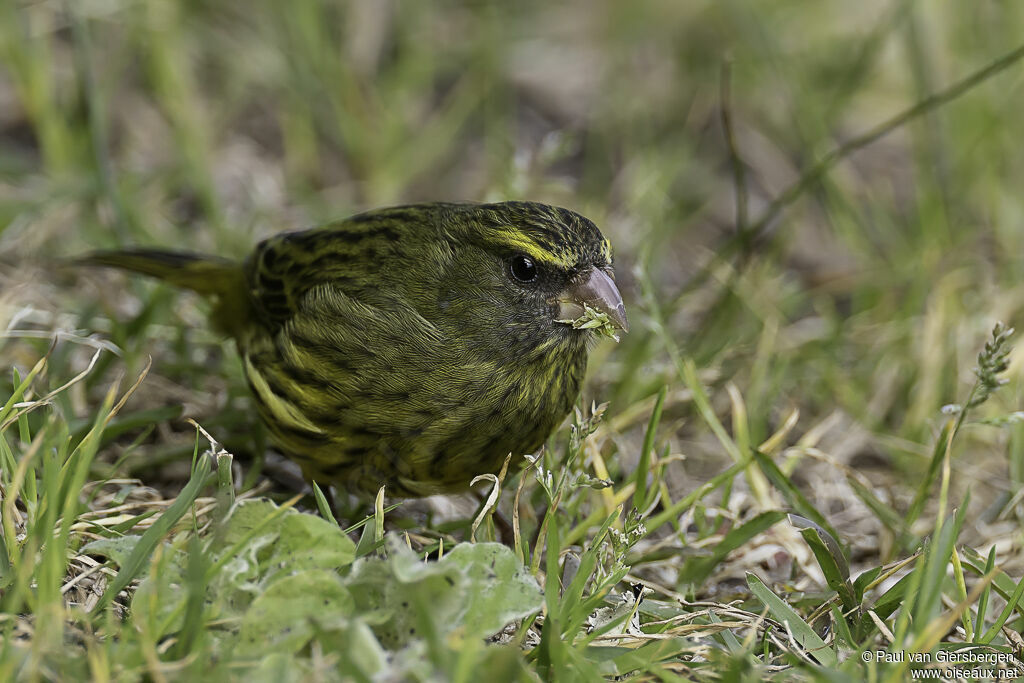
x=208 y=275
x=221 y=279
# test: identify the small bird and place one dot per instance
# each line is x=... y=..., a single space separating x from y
x=413 y=347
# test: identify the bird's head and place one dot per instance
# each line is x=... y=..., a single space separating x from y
x=528 y=271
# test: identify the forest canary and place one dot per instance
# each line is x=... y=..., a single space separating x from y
x=413 y=347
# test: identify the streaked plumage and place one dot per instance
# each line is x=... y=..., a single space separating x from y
x=402 y=346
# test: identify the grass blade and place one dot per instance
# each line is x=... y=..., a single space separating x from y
x=802 y=632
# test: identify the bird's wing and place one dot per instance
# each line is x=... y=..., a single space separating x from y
x=347 y=257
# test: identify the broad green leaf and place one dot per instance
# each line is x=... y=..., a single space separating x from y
x=279 y=667
x=499 y=588
x=352 y=639
x=308 y=542
x=478 y=587
x=273 y=543
x=386 y=590
x=280 y=619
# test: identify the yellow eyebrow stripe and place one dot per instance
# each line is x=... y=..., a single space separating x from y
x=527 y=246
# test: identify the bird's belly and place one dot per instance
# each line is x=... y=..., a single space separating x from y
x=415 y=439
x=515 y=415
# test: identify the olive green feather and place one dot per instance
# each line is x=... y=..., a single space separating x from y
x=413 y=347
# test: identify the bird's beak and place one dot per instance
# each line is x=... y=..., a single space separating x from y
x=596 y=290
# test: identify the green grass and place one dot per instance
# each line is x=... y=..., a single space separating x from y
x=807 y=448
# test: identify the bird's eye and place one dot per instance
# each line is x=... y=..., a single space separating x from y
x=523 y=268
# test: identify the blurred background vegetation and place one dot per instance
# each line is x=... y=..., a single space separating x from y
x=862 y=304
